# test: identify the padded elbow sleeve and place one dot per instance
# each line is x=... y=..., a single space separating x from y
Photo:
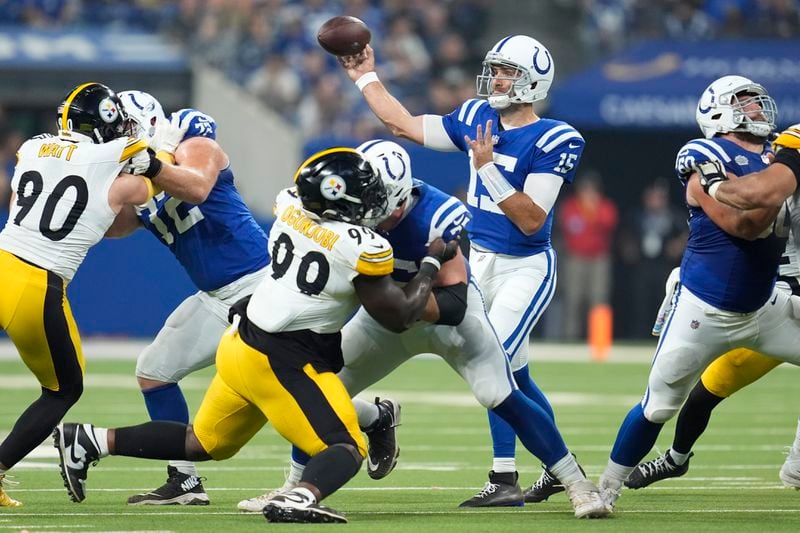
x=452 y=302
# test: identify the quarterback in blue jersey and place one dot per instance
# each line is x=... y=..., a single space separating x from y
x=203 y=220
x=726 y=297
x=455 y=326
x=519 y=163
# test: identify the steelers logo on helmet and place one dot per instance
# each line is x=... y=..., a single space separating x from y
x=333 y=187
x=108 y=110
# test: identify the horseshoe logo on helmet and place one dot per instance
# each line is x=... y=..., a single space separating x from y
x=389 y=166
x=705 y=110
x=549 y=61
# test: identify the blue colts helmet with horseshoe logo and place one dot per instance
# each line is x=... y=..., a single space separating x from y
x=533 y=66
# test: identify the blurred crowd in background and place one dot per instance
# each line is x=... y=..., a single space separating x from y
x=428 y=53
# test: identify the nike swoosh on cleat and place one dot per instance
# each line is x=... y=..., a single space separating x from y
x=76 y=461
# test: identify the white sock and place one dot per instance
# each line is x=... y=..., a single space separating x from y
x=796 y=444
x=615 y=475
x=101 y=437
x=367 y=412
x=678 y=458
x=567 y=471
x=305 y=492
x=501 y=465
x=185 y=467
x=295 y=472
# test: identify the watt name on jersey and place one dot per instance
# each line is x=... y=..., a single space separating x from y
x=309 y=285
x=545 y=147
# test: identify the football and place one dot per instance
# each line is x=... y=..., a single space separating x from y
x=344 y=36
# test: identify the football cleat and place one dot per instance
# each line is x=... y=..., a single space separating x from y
x=790 y=471
x=180 y=489
x=502 y=490
x=77 y=449
x=662 y=467
x=545 y=486
x=586 y=500
x=298 y=507
x=5 y=499
x=382 y=449
x=610 y=490
x=256 y=504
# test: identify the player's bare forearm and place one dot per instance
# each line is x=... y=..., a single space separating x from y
x=125 y=223
x=768 y=188
x=396 y=308
x=198 y=163
x=393 y=114
x=523 y=212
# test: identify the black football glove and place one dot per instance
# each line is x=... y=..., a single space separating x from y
x=711 y=172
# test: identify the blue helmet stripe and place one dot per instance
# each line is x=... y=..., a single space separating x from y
x=503 y=42
x=137 y=104
x=370 y=145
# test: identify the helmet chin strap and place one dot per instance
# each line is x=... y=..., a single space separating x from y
x=500 y=101
x=759 y=130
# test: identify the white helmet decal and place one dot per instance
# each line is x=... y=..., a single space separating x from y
x=533 y=65
x=728 y=105
x=394 y=166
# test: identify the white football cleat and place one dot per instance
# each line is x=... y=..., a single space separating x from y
x=790 y=471
x=610 y=490
x=257 y=504
x=586 y=500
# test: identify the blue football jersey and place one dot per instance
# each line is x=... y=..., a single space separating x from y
x=435 y=214
x=218 y=241
x=728 y=272
x=544 y=147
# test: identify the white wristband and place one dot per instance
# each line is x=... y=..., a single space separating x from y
x=432 y=261
x=498 y=186
x=712 y=191
x=365 y=80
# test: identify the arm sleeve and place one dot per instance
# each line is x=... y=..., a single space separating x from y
x=435 y=135
x=543 y=189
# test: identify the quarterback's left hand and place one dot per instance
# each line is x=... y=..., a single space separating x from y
x=710 y=172
x=482 y=147
x=168 y=135
x=789 y=138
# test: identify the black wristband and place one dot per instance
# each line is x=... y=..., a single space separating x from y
x=791 y=158
x=155 y=165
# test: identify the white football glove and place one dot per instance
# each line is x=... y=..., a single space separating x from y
x=168 y=135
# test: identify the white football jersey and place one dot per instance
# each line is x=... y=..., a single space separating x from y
x=790 y=262
x=309 y=282
x=61 y=207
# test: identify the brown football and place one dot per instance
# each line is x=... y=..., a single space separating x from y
x=343 y=36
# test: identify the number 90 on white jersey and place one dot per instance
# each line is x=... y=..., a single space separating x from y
x=61 y=205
